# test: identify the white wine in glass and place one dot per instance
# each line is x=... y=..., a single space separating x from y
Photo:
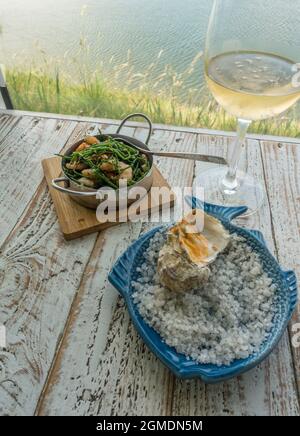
x=253 y=77
x=259 y=86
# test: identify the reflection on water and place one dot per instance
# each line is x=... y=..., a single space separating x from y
x=109 y=28
x=76 y=37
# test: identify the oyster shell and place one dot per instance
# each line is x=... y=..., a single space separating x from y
x=191 y=246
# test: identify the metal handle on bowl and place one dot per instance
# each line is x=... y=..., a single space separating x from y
x=134 y=116
x=54 y=184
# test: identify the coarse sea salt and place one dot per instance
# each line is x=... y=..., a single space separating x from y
x=227 y=319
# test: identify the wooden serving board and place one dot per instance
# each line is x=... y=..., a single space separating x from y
x=76 y=220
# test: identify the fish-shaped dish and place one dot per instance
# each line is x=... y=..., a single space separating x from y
x=210 y=304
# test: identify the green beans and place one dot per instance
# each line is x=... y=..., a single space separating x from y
x=113 y=153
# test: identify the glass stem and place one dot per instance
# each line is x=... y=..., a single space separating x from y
x=230 y=181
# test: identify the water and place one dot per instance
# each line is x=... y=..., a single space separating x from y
x=31 y=29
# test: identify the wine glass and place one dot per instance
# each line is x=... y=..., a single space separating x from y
x=252 y=68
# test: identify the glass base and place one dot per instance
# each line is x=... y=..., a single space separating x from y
x=248 y=192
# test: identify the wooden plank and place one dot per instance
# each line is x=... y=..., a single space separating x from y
x=103 y=367
x=7 y=123
x=39 y=276
x=21 y=152
x=24 y=142
x=282 y=173
x=145 y=386
x=76 y=220
x=268 y=389
x=151 y=388
x=167 y=127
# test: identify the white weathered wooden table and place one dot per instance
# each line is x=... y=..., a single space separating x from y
x=71 y=348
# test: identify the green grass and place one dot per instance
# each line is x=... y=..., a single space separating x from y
x=97 y=96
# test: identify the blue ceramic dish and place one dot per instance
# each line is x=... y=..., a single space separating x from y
x=124 y=272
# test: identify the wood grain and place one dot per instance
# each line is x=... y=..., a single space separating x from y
x=118 y=374
x=37 y=289
x=21 y=152
x=71 y=346
x=39 y=272
x=77 y=221
x=282 y=173
x=7 y=123
x=269 y=389
x=157 y=126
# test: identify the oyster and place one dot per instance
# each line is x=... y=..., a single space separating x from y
x=190 y=248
